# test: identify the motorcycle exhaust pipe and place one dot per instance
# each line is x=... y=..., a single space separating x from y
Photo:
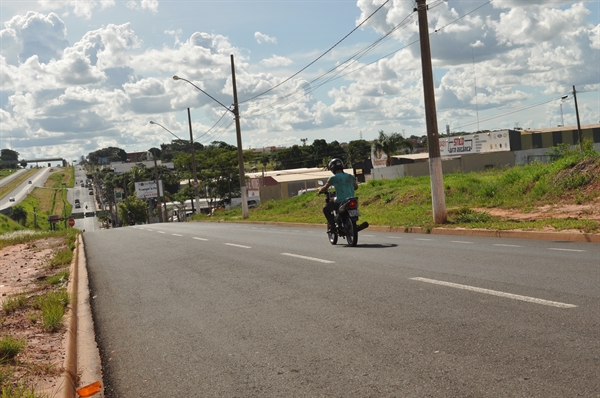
x=362 y=226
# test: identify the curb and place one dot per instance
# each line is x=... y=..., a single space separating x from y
x=485 y=233
x=82 y=361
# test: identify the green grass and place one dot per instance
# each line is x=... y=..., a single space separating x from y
x=407 y=202
x=59 y=278
x=13 y=303
x=10 y=348
x=9 y=238
x=52 y=305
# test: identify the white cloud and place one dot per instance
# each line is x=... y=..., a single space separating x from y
x=275 y=61
x=81 y=8
x=262 y=38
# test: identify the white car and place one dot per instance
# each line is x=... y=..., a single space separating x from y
x=11 y=199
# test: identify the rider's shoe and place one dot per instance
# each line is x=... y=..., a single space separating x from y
x=331 y=229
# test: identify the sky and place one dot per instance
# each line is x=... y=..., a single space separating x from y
x=80 y=75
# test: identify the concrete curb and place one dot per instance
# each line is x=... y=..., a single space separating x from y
x=82 y=361
x=487 y=233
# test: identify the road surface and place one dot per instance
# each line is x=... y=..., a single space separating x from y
x=239 y=310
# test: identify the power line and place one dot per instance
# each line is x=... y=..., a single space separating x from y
x=319 y=57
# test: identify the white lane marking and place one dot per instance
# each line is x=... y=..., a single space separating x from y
x=370 y=236
x=199 y=238
x=176 y=235
x=320 y=260
x=500 y=244
x=497 y=293
x=565 y=250
x=423 y=239
x=242 y=246
x=460 y=241
x=160 y=232
x=394 y=237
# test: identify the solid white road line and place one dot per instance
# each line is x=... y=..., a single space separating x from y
x=320 y=260
x=565 y=250
x=497 y=293
x=242 y=246
x=199 y=238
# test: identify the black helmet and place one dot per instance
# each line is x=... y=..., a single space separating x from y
x=335 y=164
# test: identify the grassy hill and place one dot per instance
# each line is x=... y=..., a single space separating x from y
x=568 y=191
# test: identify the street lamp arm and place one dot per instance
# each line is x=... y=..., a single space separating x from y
x=213 y=98
x=169 y=131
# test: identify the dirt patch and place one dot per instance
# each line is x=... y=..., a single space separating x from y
x=23 y=270
x=587 y=211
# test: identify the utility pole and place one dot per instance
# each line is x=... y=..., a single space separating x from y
x=160 y=216
x=195 y=175
x=578 y=122
x=435 y=161
x=236 y=113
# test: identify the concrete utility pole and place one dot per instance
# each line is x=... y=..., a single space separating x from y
x=194 y=173
x=578 y=122
x=236 y=113
x=435 y=161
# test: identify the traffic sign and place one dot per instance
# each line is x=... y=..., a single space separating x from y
x=71 y=222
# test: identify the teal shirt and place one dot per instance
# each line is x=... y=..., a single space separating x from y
x=344 y=186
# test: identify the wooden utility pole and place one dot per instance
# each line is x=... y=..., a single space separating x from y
x=578 y=122
x=236 y=113
x=435 y=161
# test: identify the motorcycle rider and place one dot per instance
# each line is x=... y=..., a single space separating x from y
x=344 y=185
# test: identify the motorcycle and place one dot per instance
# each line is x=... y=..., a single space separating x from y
x=346 y=220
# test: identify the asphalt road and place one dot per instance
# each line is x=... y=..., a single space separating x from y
x=87 y=202
x=25 y=188
x=231 y=310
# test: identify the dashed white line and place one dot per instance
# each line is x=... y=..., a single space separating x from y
x=160 y=232
x=500 y=244
x=176 y=235
x=242 y=246
x=320 y=260
x=497 y=293
x=423 y=239
x=370 y=236
x=198 y=238
x=565 y=250
x=461 y=241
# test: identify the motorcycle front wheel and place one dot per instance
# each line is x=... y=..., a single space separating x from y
x=351 y=233
x=333 y=237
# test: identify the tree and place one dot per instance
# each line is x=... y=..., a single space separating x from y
x=134 y=206
x=357 y=151
x=392 y=144
x=9 y=158
x=19 y=214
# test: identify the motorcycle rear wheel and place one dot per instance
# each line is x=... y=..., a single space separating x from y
x=351 y=233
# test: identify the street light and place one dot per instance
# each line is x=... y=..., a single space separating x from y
x=564 y=97
x=195 y=175
x=236 y=114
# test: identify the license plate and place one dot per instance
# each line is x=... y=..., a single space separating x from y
x=353 y=213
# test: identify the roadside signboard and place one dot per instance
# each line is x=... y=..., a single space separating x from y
x=494 y=141
x=146 y=189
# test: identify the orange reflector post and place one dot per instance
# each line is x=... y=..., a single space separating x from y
x=89 y=390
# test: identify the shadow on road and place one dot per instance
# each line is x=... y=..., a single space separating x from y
x=376 y=246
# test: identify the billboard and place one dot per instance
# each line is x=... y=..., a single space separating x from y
x=378 y=157
x=147 y=189
x=475 y=143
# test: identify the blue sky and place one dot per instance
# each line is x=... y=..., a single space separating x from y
x=80 y=75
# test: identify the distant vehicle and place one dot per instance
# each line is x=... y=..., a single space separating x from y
x=11 y=199
x=77 y=205
x=91 y=192
x=76 y=201
x=30 y=182
x=82 y=185
x=252 y=203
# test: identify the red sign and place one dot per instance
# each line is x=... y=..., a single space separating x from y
x=71 y=222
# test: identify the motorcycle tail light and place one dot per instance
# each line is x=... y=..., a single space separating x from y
x=353 y=204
